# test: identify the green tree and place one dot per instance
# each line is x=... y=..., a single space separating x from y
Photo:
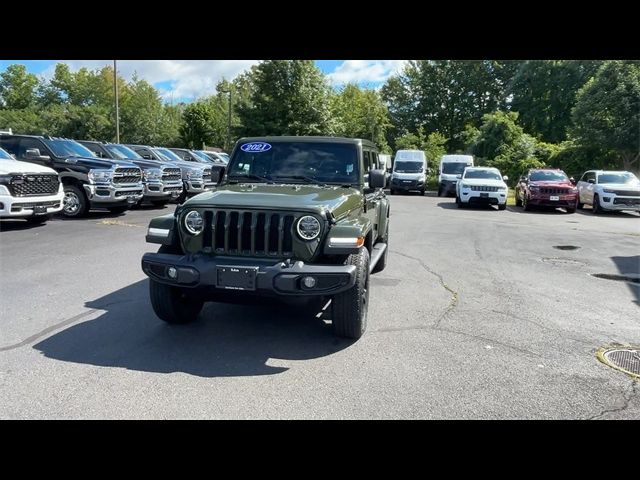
x=17 y=87
x=544 y=91
x=607 y=111
x=360 y=113
x=289 y=97
x=446 y=95
x=433 y=145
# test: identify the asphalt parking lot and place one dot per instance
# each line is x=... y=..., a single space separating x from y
x=478 y=315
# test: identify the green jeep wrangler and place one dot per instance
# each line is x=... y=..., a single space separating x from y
x=293 y=217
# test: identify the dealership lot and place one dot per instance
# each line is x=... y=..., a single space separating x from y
x=477 y=315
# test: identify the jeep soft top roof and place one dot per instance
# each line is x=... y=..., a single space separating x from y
x=309 y=139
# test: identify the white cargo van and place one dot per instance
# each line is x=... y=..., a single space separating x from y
x=409 y=172
x=450 y=167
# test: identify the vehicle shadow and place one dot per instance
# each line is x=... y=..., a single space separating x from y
x=15 y=224
x=629 y=266
x=454 y=206
x=538 y=210
x=588 y=211
x=226 y=340
x=90 y=215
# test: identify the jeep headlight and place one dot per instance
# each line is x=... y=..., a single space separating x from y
x=193 y=222
x=464 y=185
x=308 y=227
x=100 y=176
x=608 y=190
x=152 y=174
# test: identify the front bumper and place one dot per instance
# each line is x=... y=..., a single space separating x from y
x=407 y=185
x=163 y=190
x=201 y=271
x=544 y=200
x=109 y=194
x=486 y=198
x=618 y=202
x=19 y=207
x=198 y=186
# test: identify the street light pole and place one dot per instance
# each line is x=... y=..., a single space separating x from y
x=115 y=94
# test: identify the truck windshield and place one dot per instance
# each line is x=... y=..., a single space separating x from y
x=297 y=162
x=167 y=155
x=4 y=155
x=402 y=166
x=548 y=176
x=68 y=148
x=203 y=158
x=482 y=174
x=623 y=177
x=453 y=168
x=121 y=152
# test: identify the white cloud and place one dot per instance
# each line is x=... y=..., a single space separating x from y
x=364 y=71
x=189 y=79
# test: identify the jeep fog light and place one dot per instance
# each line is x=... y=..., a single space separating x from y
x=172 y=272
x=193 y=222
x=309 y=282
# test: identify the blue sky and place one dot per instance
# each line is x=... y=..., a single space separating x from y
x=186 y=80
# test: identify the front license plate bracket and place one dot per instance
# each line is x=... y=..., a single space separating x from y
x=236 y=278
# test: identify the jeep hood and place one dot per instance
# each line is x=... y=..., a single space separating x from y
x=559 y=183
x=311 y=198
x=15 y=166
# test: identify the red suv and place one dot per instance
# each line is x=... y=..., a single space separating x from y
x=546 y=188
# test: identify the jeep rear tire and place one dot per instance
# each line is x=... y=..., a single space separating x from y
x=75 y=203
x=350 y=308
x=173 y=304
x=518 y=200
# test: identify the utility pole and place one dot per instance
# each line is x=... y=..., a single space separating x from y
x=115 y=94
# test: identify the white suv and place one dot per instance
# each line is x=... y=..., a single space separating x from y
x=28 y=190
x=482 y=185
x=609 y=190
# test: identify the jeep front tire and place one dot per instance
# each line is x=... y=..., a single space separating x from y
x=173 y=304
x=349 y=310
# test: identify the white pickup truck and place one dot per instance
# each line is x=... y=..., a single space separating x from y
x=609 y=190
x=28 y=190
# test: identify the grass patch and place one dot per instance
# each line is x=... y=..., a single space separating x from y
x=511 y=197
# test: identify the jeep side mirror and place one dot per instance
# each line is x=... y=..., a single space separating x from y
x=459 y=176
x=377 y=179
x=572 y=180
x=523 y=179
x=505 y=178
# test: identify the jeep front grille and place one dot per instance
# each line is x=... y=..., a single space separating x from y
x=627 y=193
x=483 y=188
x=555 y=191
x=246 y=233
x=171 y=174
x=34 y=185
x=127 y=175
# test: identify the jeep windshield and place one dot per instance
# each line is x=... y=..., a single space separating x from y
x=68 y=148
x=481 y=175
x=624 y=177
x=121 y=152
x=297 y=162
x=547 y=176
x=402 y=166
x=453 y=168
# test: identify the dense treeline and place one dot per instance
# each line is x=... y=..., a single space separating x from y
x=510 y=114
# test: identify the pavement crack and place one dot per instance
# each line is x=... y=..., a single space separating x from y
x=627 y=400
x=453 y=301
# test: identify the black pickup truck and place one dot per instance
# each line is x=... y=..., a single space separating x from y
x=88 y=181
x=162 y=181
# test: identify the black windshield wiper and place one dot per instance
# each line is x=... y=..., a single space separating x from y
x=249 y=175
x=298 y=177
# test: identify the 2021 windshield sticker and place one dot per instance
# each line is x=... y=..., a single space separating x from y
x=255 y=147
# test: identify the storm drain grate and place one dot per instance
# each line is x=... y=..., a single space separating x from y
x=623 y=359
x=566 y=247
